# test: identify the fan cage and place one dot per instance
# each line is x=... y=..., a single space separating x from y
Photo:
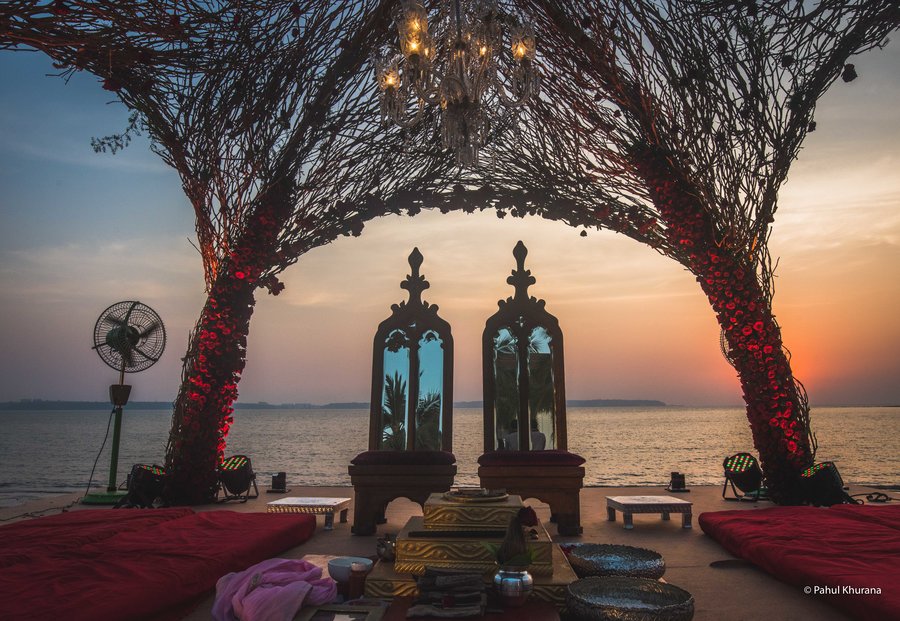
x=129 y=336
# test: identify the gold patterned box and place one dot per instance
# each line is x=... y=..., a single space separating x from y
x=384 y=581
x=443 y=513
x=417 y=547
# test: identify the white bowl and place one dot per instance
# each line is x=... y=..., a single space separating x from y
x=339 y=568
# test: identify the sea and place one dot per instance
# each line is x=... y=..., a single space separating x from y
x=45 y=453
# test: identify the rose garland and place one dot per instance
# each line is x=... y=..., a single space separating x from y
x=216 y=358
x=773 y=404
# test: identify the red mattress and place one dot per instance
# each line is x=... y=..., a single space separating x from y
x=132 y=564
x=846 y=548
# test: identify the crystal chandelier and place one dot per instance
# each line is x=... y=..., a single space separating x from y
x=461 y=76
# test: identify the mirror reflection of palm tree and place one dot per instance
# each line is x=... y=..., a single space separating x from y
x=393 y=416
x=506 y=369
x=393 y=413
x=428 y=422
x=540 y=371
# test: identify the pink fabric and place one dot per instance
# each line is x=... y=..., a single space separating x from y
x=273 y=590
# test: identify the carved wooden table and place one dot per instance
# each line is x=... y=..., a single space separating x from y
x=304 y=504
x=665 y=505
x=533 y=610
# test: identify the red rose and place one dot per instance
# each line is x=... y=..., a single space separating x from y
x=527 y=517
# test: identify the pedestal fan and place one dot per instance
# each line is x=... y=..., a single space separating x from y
x=129 y=337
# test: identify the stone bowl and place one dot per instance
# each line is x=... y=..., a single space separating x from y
x=601 y=559
x=617 y=598
x=339 y=568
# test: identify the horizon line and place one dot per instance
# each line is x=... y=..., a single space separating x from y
x=462 y=404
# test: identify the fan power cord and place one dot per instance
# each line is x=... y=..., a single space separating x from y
x=875 y=497
x=100 y=452
x=41 y=512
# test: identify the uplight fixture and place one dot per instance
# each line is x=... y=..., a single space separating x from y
x=823 y=486
x=742 y=471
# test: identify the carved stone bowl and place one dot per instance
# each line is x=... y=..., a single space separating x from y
x=616 y=598
x=601 y=559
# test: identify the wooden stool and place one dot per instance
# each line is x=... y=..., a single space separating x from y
x=377 y=482
x=557 y=484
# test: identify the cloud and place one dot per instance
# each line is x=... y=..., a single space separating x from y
x=136 y=157
x=80 y=270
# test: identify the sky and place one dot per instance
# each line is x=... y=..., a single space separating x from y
x=80 y=231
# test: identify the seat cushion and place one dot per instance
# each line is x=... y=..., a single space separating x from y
x=849 y=555
x=99 y=564
x=404 y=458
x=530 y=458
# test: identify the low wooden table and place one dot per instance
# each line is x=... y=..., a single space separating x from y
x=533 y=610
x=304 y=504
x=665 y=505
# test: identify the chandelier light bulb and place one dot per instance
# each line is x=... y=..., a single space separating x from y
x=519 y=51
x=412 y=26
x=523 y=43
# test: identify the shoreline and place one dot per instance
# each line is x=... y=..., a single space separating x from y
x=70 y=500
x=51 y=502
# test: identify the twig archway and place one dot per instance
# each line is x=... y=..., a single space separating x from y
x=673 y=122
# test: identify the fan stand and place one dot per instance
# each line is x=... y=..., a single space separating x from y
x=118 y=395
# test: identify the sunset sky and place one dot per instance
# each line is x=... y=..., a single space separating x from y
x=80 y=231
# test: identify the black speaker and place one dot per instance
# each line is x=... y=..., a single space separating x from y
x=279 y=482
x=676 y=483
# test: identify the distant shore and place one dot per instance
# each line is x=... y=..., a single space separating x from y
x=46 y=405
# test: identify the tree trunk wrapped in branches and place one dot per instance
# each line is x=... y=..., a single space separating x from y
x=776 y=406
x=215 y=359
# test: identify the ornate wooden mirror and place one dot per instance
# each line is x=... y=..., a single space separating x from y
x=412 y=374
x=524 y=377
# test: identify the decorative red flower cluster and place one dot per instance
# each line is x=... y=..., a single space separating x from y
x=735 y=293
x=216 y=361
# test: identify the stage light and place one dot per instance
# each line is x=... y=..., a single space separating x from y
x=236 y=477
x=145 y=485
x=821 y=485
x=742 y=471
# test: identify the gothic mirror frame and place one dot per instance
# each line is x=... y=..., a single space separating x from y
x=412 y=321
x=521 y=315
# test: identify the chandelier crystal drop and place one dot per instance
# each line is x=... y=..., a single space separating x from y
x=461 y=73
